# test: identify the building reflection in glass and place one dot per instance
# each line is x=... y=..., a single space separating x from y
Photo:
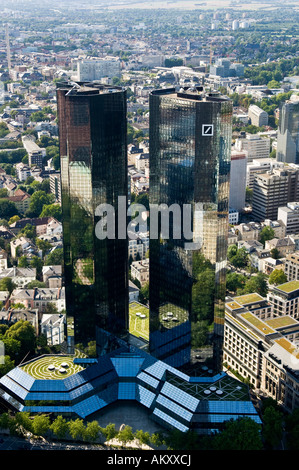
x=190 y=143
x=93 y=151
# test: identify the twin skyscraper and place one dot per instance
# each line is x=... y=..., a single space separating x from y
x=189 y=155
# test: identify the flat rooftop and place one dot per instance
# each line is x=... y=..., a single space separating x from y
x=196 y=93
x=52 y=367
x=288 y=287
x=280 y=322
x=248 y=298
x=257 y=323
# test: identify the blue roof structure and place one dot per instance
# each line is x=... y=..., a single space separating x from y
x=171 y=397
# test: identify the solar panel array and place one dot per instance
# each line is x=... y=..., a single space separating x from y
x=179 y=396
x=127 y=391
x=168 y=419
x=145 y=396
x=148 y=380
x=15 y=388
x=181 y=412
x=129 y=374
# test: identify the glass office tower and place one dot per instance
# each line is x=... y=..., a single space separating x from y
x=288 y=131
x=93 y=153
x=190 y=145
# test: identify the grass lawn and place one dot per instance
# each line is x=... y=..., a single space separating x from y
x=289 y=286
x=262 y=326
x=171 y=315
x=278 y=322
x=49 y=367
x=138 y=323
x=248 y=298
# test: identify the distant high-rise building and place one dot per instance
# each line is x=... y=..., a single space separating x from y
x=288 y=131
x=93 y=153
x=97 y=68
x=237 y=190
x=190 y=144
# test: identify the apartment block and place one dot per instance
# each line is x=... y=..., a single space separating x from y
x=263 y=350
x=272 y=190
x=254 y=145
x=289 y=215
x=291 y=267
x=55 y=186
x=285 y=299
x=242 y=347
x=96 y=69
x=259 y=166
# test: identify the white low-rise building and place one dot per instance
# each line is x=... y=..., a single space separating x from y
x=53 y=327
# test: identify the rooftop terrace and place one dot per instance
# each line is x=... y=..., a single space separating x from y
x=288 y=287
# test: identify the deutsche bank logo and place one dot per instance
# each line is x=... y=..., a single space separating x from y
x=207 y=129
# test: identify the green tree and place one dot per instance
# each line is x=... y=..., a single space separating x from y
x=92 y=431
x=23 y=419
x=272 y=426
x=240 y=259
x=76 y=428
x=3 y=193
x=267 y=233
x=35 y=283
x=54 y=258
x=235 y=281
x=7 y=209
x=231 y=251
x=292 y=429
x=41 y=425
x=23 y=262
x=144 y=293
x=273 y=84
x=277 y=277
x=7 y=284
x=43 y=245
x=158 y=439
x=29 y=231
x=23 y=332
x=38 y=200
x=256 y=283
x=52 y=210
x=8 y=364
x=109 y=431
x=59 y=427
x=239 y=434
x=275 y=253
x=143 y=436
x=37 y=263
x=11 y=346
x=125 y=435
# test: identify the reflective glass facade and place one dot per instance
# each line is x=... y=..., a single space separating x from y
x=288 y=132
x=93 y=151
x=190 y=144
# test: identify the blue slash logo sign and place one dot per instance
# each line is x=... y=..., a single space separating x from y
x=207 y=129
